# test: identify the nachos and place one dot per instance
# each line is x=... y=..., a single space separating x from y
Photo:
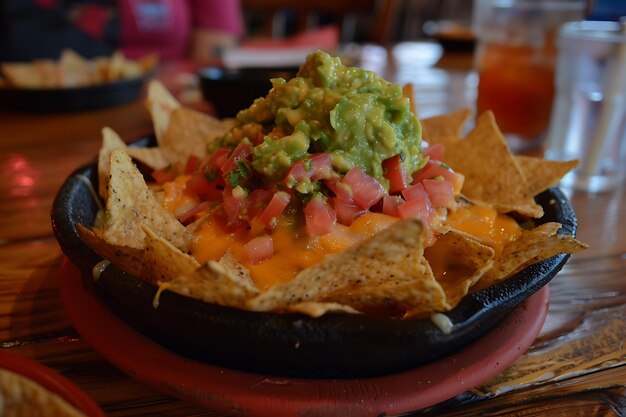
x=326 y=195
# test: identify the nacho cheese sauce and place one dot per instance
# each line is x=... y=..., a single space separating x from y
x=486 y=224
x=294 y=250
x=442 y=322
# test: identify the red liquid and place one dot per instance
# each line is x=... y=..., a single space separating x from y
x=517 y=84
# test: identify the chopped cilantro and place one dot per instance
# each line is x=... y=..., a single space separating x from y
x=239 y=175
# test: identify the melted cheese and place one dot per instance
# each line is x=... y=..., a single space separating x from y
x=174 y=198
x=443 y=322
x=486 y=224
x=294 y=250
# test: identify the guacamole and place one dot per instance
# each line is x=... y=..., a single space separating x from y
x=353 y=115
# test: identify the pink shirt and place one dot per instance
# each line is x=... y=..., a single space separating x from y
x=164 y=26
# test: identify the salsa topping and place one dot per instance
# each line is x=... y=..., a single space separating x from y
x=321 y=149
x=322 y=196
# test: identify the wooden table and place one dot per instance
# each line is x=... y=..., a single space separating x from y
x=577 y=366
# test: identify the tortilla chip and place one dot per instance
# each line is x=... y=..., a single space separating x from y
x=162 y=262
x=542 y=174
x=552 y=246
x=229 y=262
x=492 y=174
x=130 y=69
x=212 y=283
x=532 y=246
x=131 y=204
x=435 y=129
x=148 y=62
x=386 y=274
x=110 y=140
x=22 y=75
x=74 y=69
x=181 y=132
x=157 y=93
x=151 y=157
x=189 y=132
x=100 y=73
x=458 y=260
x=21 y=396
x=49 y=71
x=160 y=103
x=115 y=68
x=126 y=258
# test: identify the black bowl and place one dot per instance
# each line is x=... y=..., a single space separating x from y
x=97 y=96
x=334 y=345
x=230 y=90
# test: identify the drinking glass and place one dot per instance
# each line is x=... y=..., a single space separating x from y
x=515 y=60
x=589 y=118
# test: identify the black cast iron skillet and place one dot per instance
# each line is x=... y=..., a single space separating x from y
x=56 y=100
x=334 y=345
x=233 y=89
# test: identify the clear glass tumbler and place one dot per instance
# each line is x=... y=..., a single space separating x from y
x=589 y=117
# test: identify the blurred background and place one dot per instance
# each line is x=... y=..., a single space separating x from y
x=402 y=40
x=94 y=27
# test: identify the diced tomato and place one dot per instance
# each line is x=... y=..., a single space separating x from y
x=319 y=216
x=257 y=201
x=191 y=215
x=275 y=208
x=218 y=158
x=418 y=205
x=259 y=249
x=341 y=190
x=241 y=151
x=234 y=206
x=163 y=175
x=390 y=205
x=440 y=192
x=192 y=164
x=321 y=166
x=236 y=169
x=297 y=173
x=366 y=191
x=434 y=151
x=395 y=172
x=346 y=211
x=434 y=169
x=316 y=167
x=413 y=192
x=197 y=185
x=258 y=139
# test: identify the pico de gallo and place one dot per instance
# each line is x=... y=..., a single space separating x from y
x=322 y=162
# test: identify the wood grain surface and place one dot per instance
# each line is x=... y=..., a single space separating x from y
x=577 y=366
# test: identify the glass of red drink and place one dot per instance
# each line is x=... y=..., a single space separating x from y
x=515 y=60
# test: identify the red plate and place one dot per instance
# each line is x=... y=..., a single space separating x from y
x=50 y=380
x=249 y=394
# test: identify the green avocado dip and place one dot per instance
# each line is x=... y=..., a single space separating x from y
x=352 y=114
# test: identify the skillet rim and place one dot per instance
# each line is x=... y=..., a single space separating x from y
x=331 y=346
